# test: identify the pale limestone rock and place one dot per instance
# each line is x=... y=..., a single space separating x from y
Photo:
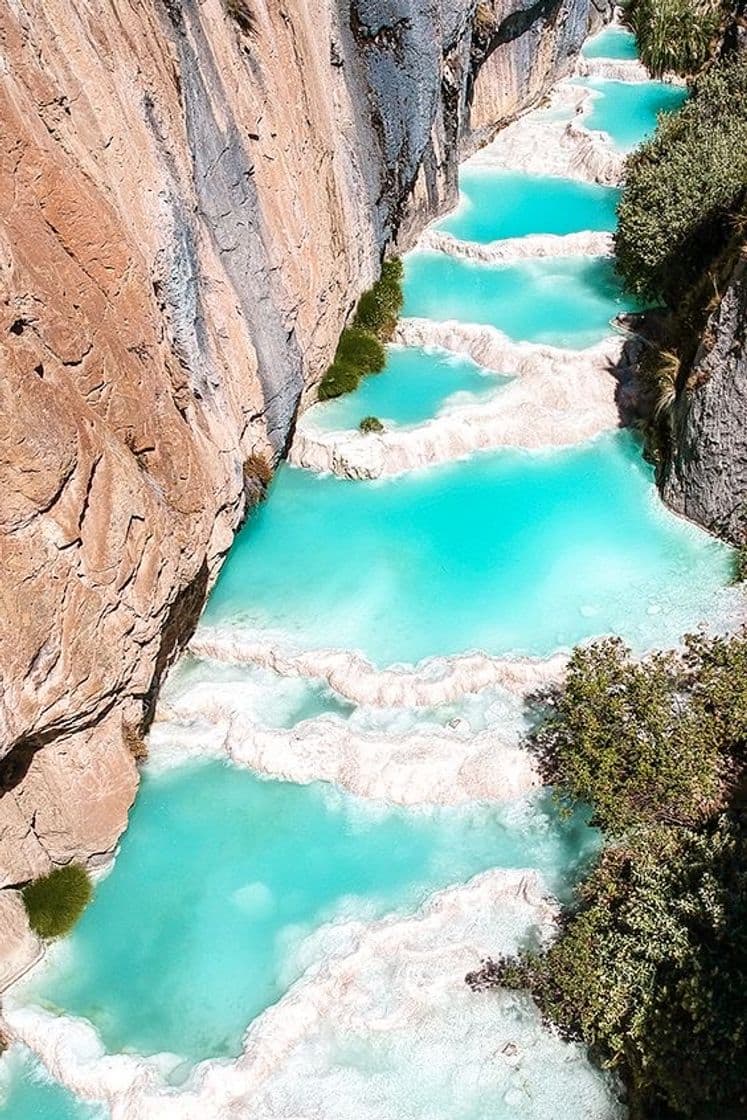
x=19 y=947
x=72 y=803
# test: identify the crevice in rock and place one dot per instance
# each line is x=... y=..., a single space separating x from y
x=177 y=630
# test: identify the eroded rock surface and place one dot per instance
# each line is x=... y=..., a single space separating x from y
x=194 y=195
x=705 y=476
x=19 y=948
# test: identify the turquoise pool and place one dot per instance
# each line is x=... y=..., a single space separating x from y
x=498 y=204
x=506 y=552
x=28 y=1093
x=221 y=876
x=562 y=301
x=414 y=386
x=628 y=111
x=613 y=42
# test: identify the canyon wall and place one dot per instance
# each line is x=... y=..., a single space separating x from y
x=704 y=476
x=193 y=195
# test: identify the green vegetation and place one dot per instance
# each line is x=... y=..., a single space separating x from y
x=677 y=36
x=371 y=424
x=55 y=902
x=337 y=380
x=740 y=564
x=650 y=965
x=646 y=742
x=682 y=187
x=650 y=969
x=360 y=350
x=379 y=308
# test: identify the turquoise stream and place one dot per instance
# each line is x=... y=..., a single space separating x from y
x=414 y=386
x=510 y=552
x=561 y=301
x=498 y=204
x=222 y=875
x=613 y=42
x=26 y=1092
x=225 y=883
x=627 y=111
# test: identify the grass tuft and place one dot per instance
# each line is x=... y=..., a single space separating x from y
x=379 y=307
x=360 y=350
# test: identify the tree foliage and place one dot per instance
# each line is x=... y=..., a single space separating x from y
x=650 y=968
x=681 y=187
x=371 y=424
x=55 y=902
x=646 y=742
x=650 y=965
x=676 y=36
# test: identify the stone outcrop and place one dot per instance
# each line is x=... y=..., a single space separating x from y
x=194 y=194
x=705 y=474
x=518 y=51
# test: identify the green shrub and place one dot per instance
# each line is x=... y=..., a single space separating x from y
x=361 y=351
x=681 y=187
x=379 y=308
x=650 y=969
x=371 y=424
x=676 y=35
x=55 y=902
x=337 y=380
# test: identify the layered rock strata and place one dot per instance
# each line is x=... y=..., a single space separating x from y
x=194 y=196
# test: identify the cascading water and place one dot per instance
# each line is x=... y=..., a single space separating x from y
x=268 y=948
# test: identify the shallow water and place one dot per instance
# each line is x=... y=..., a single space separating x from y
x=497 y=204
x=414 y=386
x=562 y=301
x=28 y=1093
x=613 y=42
x=222 y=875
x=509 y=552
x=627 y=111
x=269 y=700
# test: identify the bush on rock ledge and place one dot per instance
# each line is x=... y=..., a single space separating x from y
x=649 y=967
x=56 y=901
x=360 y=350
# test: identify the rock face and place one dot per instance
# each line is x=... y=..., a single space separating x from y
x=705 y=476
x=194 y=194
x=518 y=50
x=19 y=947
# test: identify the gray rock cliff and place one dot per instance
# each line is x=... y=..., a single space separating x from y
x=705 y=474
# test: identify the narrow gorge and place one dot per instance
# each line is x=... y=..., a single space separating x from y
x=197 y=194
x=267 y=661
